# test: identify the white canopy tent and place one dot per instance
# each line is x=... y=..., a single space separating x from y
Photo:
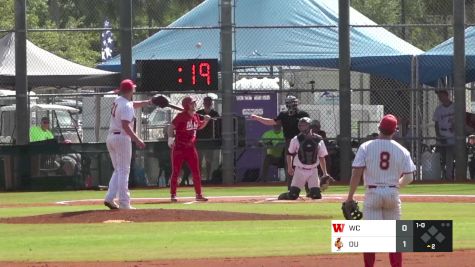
x=47 y=69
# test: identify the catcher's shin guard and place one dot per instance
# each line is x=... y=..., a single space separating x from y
x=315 y=193
x=307 y=190
x=294 y=193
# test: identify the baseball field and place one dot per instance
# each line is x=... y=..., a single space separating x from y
x=239 y=226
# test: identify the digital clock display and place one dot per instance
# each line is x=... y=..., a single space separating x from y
x=177 y=75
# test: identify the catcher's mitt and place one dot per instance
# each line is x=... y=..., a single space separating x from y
x=351 y=211
x=160 y=100
x=325 y=181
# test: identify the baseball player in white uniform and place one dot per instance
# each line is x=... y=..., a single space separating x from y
x=119 y=144
x=385 y=166
x=306 y=151
x=444 y=130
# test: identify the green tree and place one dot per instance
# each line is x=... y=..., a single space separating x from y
x=7 y=8
x=161 y=13
x=415 y=12
x=379 y=11
x=83 y=47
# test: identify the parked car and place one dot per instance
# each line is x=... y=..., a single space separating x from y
x=154 y=122
x=63 y=124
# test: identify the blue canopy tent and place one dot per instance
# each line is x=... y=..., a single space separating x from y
x=437 y=63
x=299 y=38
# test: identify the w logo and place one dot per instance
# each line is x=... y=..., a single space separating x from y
x=338 y=227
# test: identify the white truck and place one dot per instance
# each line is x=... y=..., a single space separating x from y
x=63 y=125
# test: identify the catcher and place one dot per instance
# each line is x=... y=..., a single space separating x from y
x=306 y=151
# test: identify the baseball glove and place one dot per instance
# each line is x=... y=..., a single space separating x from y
x=160 y=100
x=351 y=211
x=325 y=181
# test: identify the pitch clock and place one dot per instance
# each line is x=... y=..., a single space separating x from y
x=177 y=75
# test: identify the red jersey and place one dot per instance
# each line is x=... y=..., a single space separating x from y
x=185 y=128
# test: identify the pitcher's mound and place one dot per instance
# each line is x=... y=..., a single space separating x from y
x=151 y=215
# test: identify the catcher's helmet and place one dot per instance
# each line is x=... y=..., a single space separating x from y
x=304 y=124
x=305 y=120
x=186 y=102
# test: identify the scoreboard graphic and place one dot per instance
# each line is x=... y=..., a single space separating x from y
x=349 y=236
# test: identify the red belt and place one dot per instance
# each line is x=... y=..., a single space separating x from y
x=375 y=186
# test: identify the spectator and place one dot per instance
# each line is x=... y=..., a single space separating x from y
x=274 y=142
x=334 y=154
x=289 y=120
x=164 y=163
x=372 y=136
x=406 y=133
x=70 y=163
x=41 y=132
x=469 y=123
x=211 y=131
x=38 y=134
x=185 y=175
x=471 y=156
x=444 y=131
x=317 y=128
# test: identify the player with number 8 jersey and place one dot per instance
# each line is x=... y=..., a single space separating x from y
x=385 y=166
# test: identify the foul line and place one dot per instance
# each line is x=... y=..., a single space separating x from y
x=263 y=197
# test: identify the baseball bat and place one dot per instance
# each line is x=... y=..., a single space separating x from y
x=181 y=109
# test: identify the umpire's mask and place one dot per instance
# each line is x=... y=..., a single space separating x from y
x=291 y=102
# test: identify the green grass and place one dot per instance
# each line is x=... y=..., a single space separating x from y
x=160 y=240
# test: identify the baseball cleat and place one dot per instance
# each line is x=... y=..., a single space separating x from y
x=173 y=198
x=128 y=208
x=111 y=205
x=200 y=198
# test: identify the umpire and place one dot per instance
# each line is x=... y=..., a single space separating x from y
x=289 y=121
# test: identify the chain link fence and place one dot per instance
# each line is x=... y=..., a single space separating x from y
x=68 y=40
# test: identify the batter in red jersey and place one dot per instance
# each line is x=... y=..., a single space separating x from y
x=181 y=140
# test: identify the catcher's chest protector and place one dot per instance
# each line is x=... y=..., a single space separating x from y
x=308 y=149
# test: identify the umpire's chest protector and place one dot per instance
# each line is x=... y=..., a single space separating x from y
x=308 y=148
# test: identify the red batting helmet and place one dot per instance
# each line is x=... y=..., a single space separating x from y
x=186 y=102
